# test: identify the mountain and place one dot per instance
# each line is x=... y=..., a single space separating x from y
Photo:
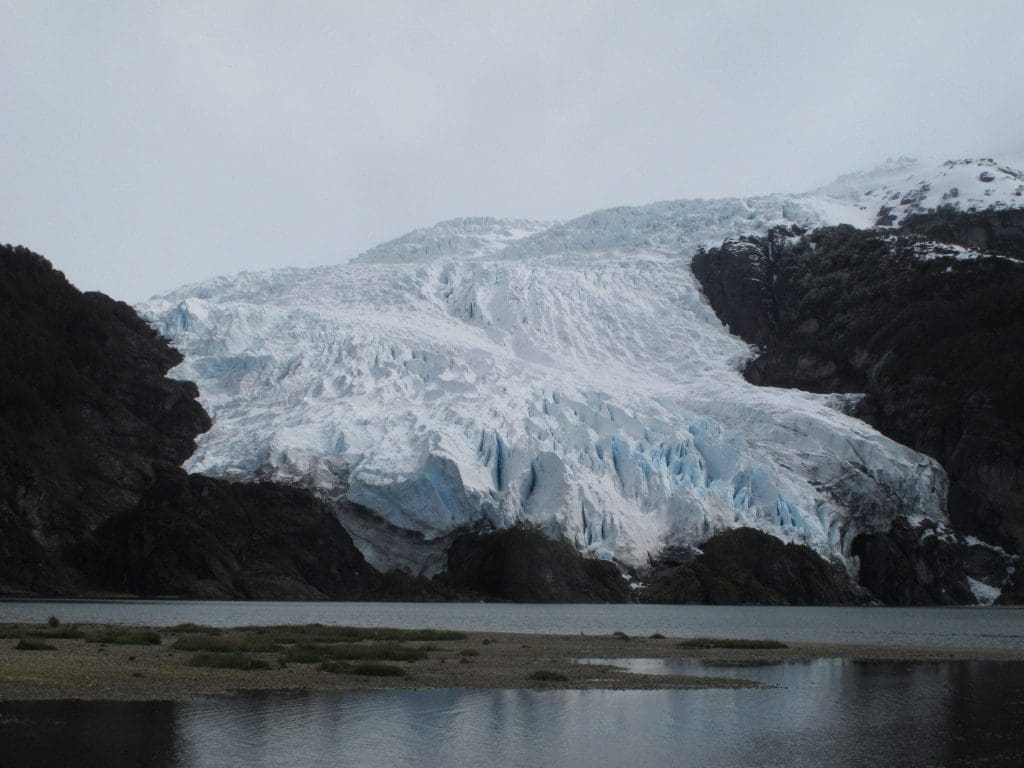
x=573 y=376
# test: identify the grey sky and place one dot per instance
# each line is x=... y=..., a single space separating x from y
x=144 y=145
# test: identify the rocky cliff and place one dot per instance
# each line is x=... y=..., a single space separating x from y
x=926 y=321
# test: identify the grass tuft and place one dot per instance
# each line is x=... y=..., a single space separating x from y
x=308 y=654
x=12 y=631
x=28 y=644
x=725 y=643
x=112 y=636
x=320 y=633
x=374 y=669
x=218 y=644
x=227 y=661
x=191 y=628
x=469 y=652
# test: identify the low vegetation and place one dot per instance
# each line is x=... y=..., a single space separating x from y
x=547 y=676
x=11 y=631
x=320 y=633
x=190 y=628
x=221 y=644
x=228 y=661
x=112 y=636
x=310 y=653
x=28 y=644
x=722 y=643
x=374 y=669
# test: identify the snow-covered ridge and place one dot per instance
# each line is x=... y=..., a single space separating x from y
x=905 y=186
x=569 y=374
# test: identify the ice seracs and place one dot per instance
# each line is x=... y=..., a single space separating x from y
x=567 y=374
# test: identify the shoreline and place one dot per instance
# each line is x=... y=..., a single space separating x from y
x=90 y=669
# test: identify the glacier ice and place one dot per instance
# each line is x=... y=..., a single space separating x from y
x=566 y=374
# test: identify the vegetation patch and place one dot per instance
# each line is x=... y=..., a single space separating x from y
x=219 y=644
x=29 y=644
x=320 y=633
x=308 y=653
x=227 y=661
x=190 y=628
x=716 y=643
x=620 y=635
x=374 y=669
x=469 y=652
x=336 y=667
x=657 y=636
x=123 y=637
x=548 y=676
x=12 y=631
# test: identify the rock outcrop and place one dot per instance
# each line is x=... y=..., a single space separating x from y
x=746 y=566
x=929 y=330
x=92 y=498
x=521 y=564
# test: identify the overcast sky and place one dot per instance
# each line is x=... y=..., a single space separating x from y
x=145 y=145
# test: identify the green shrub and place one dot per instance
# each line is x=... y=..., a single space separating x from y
x=620 y=635
x=336 y=667
x=657 y=636
x=227 y=661
x=53 y=622
x=469 y=652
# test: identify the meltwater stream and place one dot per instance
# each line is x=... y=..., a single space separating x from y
x=823 y=713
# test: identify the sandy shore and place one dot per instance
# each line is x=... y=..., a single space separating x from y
x=77 y=669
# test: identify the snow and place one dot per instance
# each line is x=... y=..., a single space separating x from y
x=906 y=186
x=983 y=593
x=567 y=374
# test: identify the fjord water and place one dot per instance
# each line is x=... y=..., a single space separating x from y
x=920 y=627
x=831 y=712
x=826 y=712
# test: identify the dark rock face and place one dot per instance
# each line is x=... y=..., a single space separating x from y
x=936 y=344
x=746 y=566
x=521 y=564
x=92 y=498
x=996 y=231
x=87 y=421
x=204 y=537
x=921 y=565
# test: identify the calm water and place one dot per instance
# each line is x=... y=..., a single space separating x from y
x=828 y=713
x=932 y=627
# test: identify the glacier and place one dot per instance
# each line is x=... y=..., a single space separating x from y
x=566 y=374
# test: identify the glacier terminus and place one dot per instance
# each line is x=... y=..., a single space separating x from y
x=485 y=371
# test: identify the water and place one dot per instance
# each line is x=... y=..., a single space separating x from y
x=827 y=713
x=923 y=627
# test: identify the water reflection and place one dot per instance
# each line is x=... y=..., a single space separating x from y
x=824 y=712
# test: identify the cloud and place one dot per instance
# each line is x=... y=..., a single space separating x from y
x=151 y=144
